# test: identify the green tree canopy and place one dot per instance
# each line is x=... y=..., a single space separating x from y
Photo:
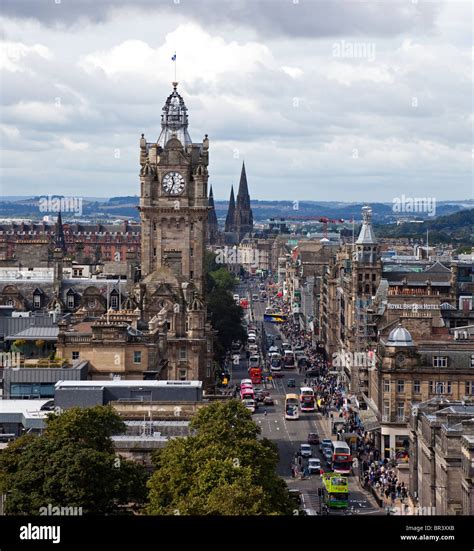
x=72 y=464
x=222 y=469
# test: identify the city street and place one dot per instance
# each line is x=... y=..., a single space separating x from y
x=288 y=435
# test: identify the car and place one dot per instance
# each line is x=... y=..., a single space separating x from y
x=250 y=405
x=314 y=465
x=273 y=350
x=313 y=438
x=268 y=401
x=296 y=496
x=277 y=374
x=325 y=442
x=286 y=346
x=305 y=450
x=328 y=456
x=291 y=383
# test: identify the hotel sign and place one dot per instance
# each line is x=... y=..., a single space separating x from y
x=415 y=306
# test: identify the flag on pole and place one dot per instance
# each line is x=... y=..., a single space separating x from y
x=174 y=57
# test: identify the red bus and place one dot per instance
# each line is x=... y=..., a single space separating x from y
x=256 y=375
x=306 y=399
x=341 y=458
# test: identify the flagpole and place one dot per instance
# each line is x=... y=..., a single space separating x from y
x=175 y=66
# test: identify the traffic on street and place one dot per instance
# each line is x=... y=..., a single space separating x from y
x=282 y=377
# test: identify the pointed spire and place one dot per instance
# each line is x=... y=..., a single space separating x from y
x=229 y=222
x=211 y=197
x=243 y=188
x=212 y=224
x=366 y=235
x=59 y=240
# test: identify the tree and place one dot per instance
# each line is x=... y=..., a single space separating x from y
x=72 y=464
x=226 y=318
x=223 y=279
x=222 y=469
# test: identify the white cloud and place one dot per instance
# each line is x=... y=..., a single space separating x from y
x=71 y=145
x=13 y=54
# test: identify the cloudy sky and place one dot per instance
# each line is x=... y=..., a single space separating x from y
x=340 y=100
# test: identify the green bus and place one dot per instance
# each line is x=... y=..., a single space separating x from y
x=335 y=491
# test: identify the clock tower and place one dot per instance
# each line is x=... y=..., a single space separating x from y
x=173 y=202
x=174 y=212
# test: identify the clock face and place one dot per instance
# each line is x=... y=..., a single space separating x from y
x=400 y=358
x=173 y=183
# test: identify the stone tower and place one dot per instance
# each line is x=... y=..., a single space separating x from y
x=173 y=202
x=174 y=211
x=212 y=225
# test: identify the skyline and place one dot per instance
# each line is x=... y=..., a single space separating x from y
x=279 y=85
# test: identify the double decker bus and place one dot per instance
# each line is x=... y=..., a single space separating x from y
x=292 y=403
x=247 y=393
x=274 y=316
x=289 y=359
x=255 y=375
x=335 y=491
x=341 y=458
x=306 y=398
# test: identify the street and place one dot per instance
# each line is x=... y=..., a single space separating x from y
x=288 y=435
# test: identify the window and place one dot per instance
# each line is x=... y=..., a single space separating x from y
x=114 y=301
x=367 y=276
x=386 y=385
x=154 y=251
x=191 y=274
x=37 y=301
x=440 y=361
x=374 y=276
x=182 y=353
x=208 y=370
x=70 y=301
x=386 y=409
x=191 y=252
x=182 y=375
x=472 y=360
x=75 y=355
x=137 y=357
x=440 y=387
x=401 y=411
x=469 y=387
x=400 y=385
x=416 y=387
x=359 y=277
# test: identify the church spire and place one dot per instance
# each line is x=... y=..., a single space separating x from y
x=243 y=216
x=59 y=240
x=212 y=225
x=229 y=222
x=243 y=187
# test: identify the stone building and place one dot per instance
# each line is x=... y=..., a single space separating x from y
x=148 y=319
x=442 y=463
x=407 y=372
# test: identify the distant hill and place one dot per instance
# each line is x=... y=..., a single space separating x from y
x=103 y=209
x=457 y=228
